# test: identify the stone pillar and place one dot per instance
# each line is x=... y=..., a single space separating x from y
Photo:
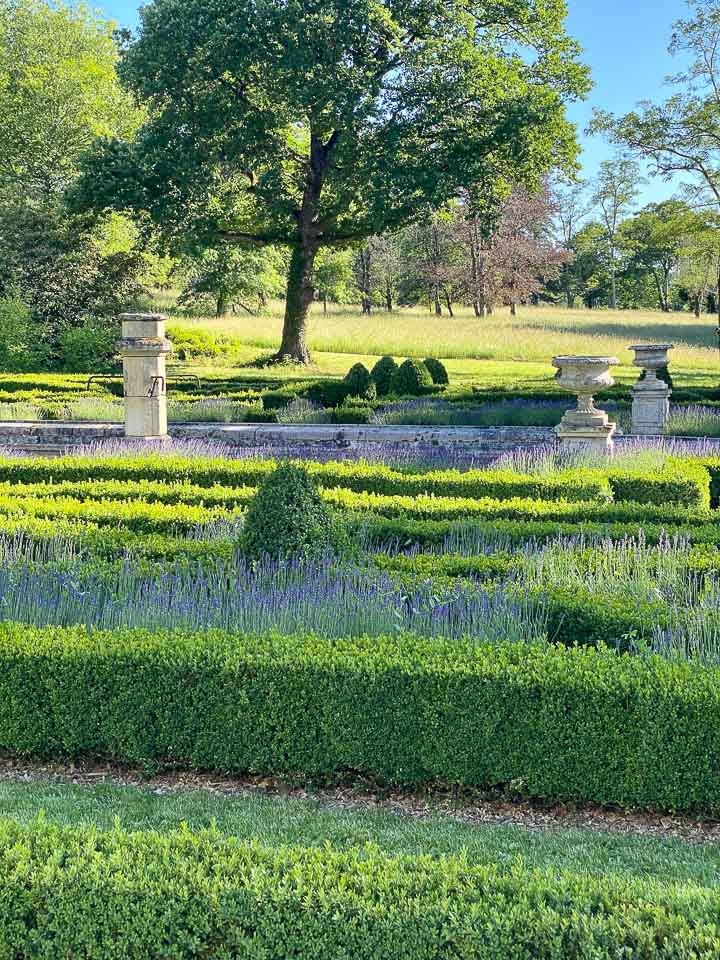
x=651 y=396
x=585 y=426
x=144 y=348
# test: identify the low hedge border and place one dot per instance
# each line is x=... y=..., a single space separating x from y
x=359 y=477
x=202 y=894
x=556 y=723
x=421 y=506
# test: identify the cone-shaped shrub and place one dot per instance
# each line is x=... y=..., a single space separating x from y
x=382 y=374
x=359 y=381
x=412 y=378
x=437 y=371
x=287 y=518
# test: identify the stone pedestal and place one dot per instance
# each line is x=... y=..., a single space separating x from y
x=585 y=426
x=144 y=348
x=651 y=396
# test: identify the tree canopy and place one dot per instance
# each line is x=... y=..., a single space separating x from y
x=313 y=123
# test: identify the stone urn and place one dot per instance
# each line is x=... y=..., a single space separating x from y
x=651 y=357
x=651 y=395
x=585 y=377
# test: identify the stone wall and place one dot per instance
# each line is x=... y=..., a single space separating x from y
x=52 y=436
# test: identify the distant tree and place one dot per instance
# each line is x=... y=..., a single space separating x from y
x=615 y=190
x=334 y=275
x=698 y=273
x=432 y=253
x=682 y=134
x=386 y=267
x=572 y=205
x=232 y=277
x=525 y=255
x=655 y=238
x=314 y=123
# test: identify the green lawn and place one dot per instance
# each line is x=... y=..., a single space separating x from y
x=276 y=821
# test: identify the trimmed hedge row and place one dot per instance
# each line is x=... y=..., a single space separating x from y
x=418 y=507
x=135 y=515
x=682 y=481
x=577 y=723
x=360 y=477
x=202 y=894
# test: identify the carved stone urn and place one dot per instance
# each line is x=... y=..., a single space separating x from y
x=651 y=396
x=585 y=425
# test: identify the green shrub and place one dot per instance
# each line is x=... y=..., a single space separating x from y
x=359 y=382
x=90 y=347
x=382 y=374
x=82 y=892
x=681 y=481
x=556 y=723
x=437 y=371
x=328 y=393
x=22 y=345
x=412 y=378
x=287 y=517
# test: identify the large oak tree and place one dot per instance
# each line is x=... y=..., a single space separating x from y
x=315 y=123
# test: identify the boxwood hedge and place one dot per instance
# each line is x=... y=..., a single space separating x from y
x=582 y=723
x=81 y=892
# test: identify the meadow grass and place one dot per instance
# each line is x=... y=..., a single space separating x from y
x=535 y=334
x=276 y=821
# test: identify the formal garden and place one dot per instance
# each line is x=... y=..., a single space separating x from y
x=359 y=486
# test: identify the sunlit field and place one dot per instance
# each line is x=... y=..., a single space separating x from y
x=535 y=334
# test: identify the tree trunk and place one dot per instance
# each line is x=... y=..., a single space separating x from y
x=513 y=309
x=613 y=289
x=299 y=296
x=221 y=305
x=388 y=297
x=324 y=303
x=448 y=302
x=436 y=301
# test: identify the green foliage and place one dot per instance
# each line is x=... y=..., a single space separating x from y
x=569 y=485
x=288 y=518
x=411 y=379
x=204 y=893
x=382 y=374
x=21 y=337
x=89 y=347
x=576 y=724
x=229 y=277
x=359 y=382
x=437 y=371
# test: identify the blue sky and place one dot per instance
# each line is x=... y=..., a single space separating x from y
x=625 y=43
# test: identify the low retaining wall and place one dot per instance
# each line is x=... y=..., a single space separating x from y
x=54 y=435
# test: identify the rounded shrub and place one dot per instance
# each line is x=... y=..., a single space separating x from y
x=382 y=374
x=412 y=378
x=359 y=382
x=287 y=518
x=437 y=371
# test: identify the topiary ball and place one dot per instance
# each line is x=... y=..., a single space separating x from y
x=287 y=518
x=382 y=374
x=358 y=381
x=412 y=378
x=437 y=371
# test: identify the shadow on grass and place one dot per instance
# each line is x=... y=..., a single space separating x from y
x=697 y=334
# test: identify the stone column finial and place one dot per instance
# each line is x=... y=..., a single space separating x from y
x=585 y=426
x=651 y=395
x=144 y=348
